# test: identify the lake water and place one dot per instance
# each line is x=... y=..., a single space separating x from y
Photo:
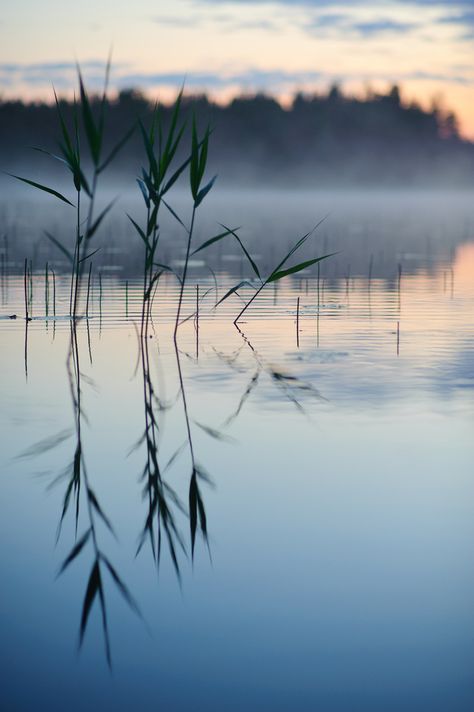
x=337 y=458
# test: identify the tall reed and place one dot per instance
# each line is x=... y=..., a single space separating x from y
x=87 y=221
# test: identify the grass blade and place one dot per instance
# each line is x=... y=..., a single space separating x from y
x=193 y=510
x=91 y=592
x=138 y=229
x=75 y=551
x=233 y=290
x=216 y=238
x=297 y=268
x=100 y=511
x=45 y=188
x=118 y=147
x=122 y=588
x=99 y=219
x=92 y=134
x=247 y=254
x=204 y=191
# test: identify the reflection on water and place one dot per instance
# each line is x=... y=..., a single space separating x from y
x=326 y=463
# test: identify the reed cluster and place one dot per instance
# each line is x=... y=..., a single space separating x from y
x=81 y=152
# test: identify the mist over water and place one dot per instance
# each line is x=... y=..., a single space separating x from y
x=374 y=230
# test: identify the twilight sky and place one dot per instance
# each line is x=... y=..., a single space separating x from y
x=227 y=47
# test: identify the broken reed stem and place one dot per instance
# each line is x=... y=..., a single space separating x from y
x=319 y=276
x=298 y=322
x=46 y=289
x=31 y=286
x=25 y=287
x=126 y=298
x=197 y=321
x=399 y=292
x=100 y=296
x=54 y=291
x=3 y=278
x=88 y=289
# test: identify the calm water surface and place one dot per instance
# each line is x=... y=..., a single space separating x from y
x=340 y=501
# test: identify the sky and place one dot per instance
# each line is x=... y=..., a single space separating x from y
x=226 y=48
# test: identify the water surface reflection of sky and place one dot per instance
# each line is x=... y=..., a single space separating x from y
x=340 y=521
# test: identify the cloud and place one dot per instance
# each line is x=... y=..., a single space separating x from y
x=347 y=24
x=225 y=21
x=273 y=80
x=463 y=21
x=62 y=75
x=375 y=27
x=343 y=3
x=177 y=21
x=431 y=76
x=462 y=18
x=91 y=64
x=252 y=78
x=320 y=16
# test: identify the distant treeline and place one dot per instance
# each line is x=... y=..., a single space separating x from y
x=319 y=140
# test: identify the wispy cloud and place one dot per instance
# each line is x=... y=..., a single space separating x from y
x=349 y=25
x=320 y=17
x=62 y=74
x=382 y=26
x=450 y=4
x=224 y=21
x=461 y=18
x=177 y=21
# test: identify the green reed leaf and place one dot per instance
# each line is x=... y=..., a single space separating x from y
x=92 y=133
x=45 y=445
x=45 y=188
x=203 y=155
x=122 y=588
x=214 y=433
x=194 y=168
x=89 y=255
x=175 y=176
x=246 y=253
x=65 y=132
x=204 y=191
x=149 y=151
x=174 y=214
x=93 y=586
x=234 y=290
x=216 y=238
x=139 y=230
x=100 y=512
x=116 y=150
x=99 y=219
x=193 y=510
x=75 y=551
x=297 y=268
x=52 y=155
x=144 y=192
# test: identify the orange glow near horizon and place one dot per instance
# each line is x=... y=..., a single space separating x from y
x=229 y=48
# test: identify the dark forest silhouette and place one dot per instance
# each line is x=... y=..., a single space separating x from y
x=320 y=140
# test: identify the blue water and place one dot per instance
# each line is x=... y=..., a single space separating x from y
x=341 y=518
